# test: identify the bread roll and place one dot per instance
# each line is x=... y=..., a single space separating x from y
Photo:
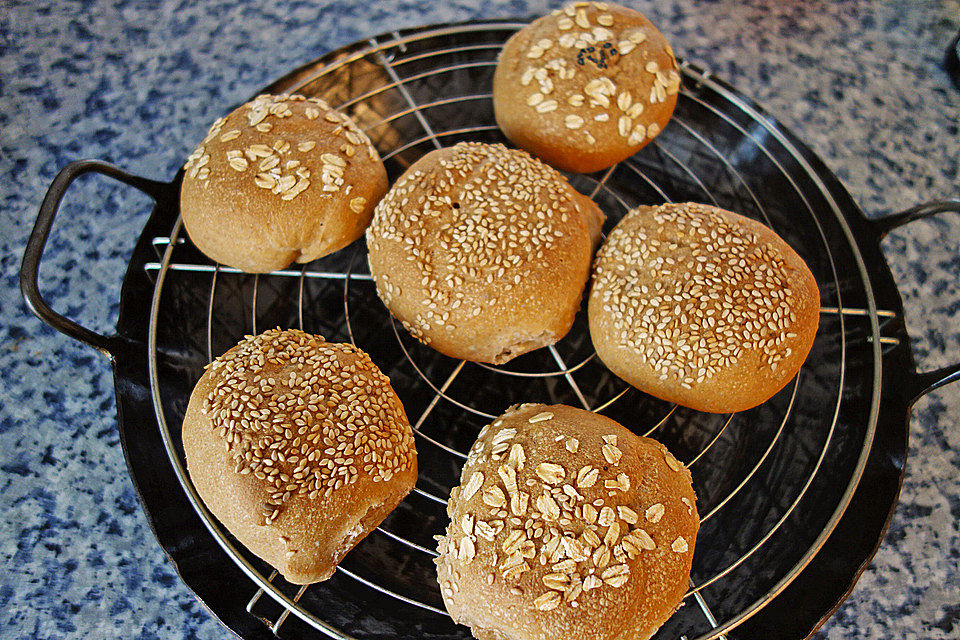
x=300 y=447
x=586 y=86
x=281 y=179
x=566 y=526
x=701 y=306
x=482 y=252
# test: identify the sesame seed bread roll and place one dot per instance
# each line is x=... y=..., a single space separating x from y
x=483 y=252
x=701 y=306
x=586 y=86
x=280 y=179
x=300 y=447
x=566 y=526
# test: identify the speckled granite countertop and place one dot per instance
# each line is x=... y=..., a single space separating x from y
x=136 y=83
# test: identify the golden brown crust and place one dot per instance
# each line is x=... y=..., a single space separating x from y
x=566 y=525
x=702 y=307
x=586 y=86
x=280 y=179
x=299 y=447
x=483 y=252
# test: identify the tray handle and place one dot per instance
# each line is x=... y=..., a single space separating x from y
x=929 y=380
x=29 y=268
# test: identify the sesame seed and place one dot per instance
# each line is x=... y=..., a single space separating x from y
x=548 y=601
x=587 y=477
x=516 y=458
x=567 y=40
x=546 y=106
x=611 y=454
x=551 y=473
x=493 y=497
x=357 y=204
x=558 y=581
x=582 y=20
x=607 y=517
x=672 y=462
x=655 y=513
x=627 y=514
x=467 y=550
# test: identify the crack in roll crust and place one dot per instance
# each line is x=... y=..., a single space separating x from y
x=482 y=252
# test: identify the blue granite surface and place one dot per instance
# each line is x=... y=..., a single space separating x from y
x=136 y=83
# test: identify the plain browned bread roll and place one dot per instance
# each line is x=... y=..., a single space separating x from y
x=586 y=86
x=281 y=179
x=300 y=447
x=566 y=526
x=701 y=306
x=482 y=252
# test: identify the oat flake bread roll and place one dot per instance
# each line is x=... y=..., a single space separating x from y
x=586 y=86
x=300 y=447
x=483 y=252
x=281 y=179
x=566 y=526
x=701 y=306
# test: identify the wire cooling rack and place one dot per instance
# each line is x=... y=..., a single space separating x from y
x=772 y=482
